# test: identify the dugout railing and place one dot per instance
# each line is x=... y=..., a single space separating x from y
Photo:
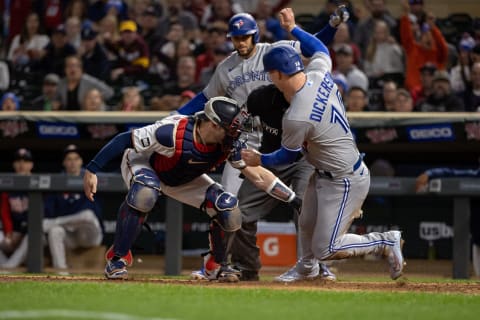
x=460 y=189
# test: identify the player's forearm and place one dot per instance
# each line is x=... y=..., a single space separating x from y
x=268 y=182
x=194 y=105
x=327 y=34
x=110 y=151
x=309 y=44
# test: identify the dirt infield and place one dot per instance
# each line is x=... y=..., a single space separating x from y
x=402 y=285
x=353 y=275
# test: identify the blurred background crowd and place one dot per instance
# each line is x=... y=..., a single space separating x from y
x=135 y=55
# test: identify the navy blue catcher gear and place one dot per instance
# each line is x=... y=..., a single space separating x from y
x=243 y=24
x=225 y=205
x=284 y=59
x=144 y=191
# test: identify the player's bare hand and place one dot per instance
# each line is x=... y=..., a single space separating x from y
x=90 y=185
x=287 y=19
x=251 y=157
x=421 y=183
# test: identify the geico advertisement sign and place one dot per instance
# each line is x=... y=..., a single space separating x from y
x=49 y=130
x=431 y=231
x=431 y=133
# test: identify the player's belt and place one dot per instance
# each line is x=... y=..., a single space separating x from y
x=328 y=174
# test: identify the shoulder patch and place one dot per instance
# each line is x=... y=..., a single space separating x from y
x=164 y=135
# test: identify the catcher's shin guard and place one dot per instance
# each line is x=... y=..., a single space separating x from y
x=129 y=225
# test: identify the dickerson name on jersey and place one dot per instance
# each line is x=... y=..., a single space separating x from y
x=321 y=99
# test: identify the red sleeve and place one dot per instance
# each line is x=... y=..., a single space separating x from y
x=406 y=35
x=442 y=48
x=5 y=213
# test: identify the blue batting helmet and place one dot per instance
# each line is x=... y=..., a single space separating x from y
x=284 y=59
x=243 y=24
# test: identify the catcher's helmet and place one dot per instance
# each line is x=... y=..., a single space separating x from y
x=284 y=59
x=243 y=24
x=226 y=113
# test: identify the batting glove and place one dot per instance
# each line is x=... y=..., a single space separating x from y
x=340 y=15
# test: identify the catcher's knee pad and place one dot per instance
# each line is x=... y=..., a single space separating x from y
x=225 y=204
x=144 y=191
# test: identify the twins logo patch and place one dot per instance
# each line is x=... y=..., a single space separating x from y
x=145 y=142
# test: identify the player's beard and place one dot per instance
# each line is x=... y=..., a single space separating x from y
x=248 y=52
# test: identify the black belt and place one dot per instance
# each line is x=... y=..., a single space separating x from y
x=357 y=165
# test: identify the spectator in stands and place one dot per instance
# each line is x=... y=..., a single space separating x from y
x=108 y=32
x=71 y=220
x=460 y=73
x=53 y=58
x=341 y=83
x=418 y=10
x=176 y=14
x=79 y=9
x=137 y=8
x=10 y=102
x=76 y=84
x=14 y=216
x=323 y=17
x=441 y=99
x=212 y=37
x=389 y=95
x=357 y=100
x=132 y=53
x=342 y=36
x=94 y=101
x=52 y=14
x=73 y=29
x=167 y=48
x=221 y=10
x=403 y=101
x=431 y=46
x=268 y=24
x=384 y=56
x=132 y=100
x=26 y=47
x=148 y=24
x=219 y=53
x=49 y=100
x=422 y=91
x=94 y=57
x=344 y=65
x=363 y=31
x=117 y=8
x=472 y=94
x=170 y=97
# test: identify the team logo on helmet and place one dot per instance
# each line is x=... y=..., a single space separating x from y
x=238 y=24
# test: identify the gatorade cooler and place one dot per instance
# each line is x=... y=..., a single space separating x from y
x=277 y=243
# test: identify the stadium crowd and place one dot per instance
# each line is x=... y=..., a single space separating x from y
x=155 y=55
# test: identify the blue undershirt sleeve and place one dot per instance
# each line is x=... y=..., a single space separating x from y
x=326 y=35
x=110 y=151
x=309 y=44
x=279 y=157
x=194 y=105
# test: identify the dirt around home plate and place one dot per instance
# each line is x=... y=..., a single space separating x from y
x=353 y=275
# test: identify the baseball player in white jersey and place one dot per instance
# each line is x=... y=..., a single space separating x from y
x=316 y=124
x=242 y=72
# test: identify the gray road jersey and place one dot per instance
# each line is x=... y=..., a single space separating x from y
x=236 y=77
x=316 y=121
